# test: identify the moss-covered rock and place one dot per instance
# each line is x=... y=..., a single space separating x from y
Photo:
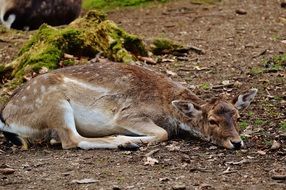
x=85 y=37
x=164 y=46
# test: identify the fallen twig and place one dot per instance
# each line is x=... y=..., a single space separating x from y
x=194 y=49
x=200 y=170
x=222 y=86
x=149 y=154
x=147 y=60
x=259 y=54
x=227 y=171
x=279 y=177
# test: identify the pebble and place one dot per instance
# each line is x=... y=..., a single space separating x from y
x=241 y=12
x=275 y=145
x=179 y=187
x=6 y=171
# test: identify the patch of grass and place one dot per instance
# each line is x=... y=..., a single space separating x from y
x=282 y=126
x=243 y=124
x=256 y=70
x=267 y=142
x=259 y=122
x=275 y=63
x=205 y=86
x=111 y=4
x=278 y=38
x=250 y=113
x=244 y=138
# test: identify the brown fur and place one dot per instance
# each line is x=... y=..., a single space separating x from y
x=137 y=101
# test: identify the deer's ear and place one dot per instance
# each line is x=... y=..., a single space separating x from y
x=187 y=108
x=242 y=101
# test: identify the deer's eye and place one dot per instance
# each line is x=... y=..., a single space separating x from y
x=212 y=122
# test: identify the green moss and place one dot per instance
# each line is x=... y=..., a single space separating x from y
x=205 y=86
x=273 y=64
x=282 y=126
x=163 y=46
x=256 y=71
x=68 y=62
x=243 y=124
x=259 y=122
x=2 y=68
x=107 y=5
x=85 y=37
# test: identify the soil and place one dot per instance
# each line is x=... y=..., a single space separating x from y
x=238 y=37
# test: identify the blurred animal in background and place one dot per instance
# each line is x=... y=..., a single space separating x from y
x=31 y=14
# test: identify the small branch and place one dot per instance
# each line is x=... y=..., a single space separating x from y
x=149 y=154
x=227 y=171
x=223 y=86
x=279 y=177
x=200 y=170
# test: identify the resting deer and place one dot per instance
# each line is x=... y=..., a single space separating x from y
x=30 y=14
x=114 y=105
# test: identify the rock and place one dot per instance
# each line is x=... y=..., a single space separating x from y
x=6 y=171
x=164 y=179
x=241 y=12
x=237 y=84
x=275 y=145
x=212 y=147
x=115 y=187
x=164 y=46
x=179 y=187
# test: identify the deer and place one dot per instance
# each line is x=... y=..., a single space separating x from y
x=113 y=105
x=30 y=14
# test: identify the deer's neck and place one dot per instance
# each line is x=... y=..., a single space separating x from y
x=195 y=126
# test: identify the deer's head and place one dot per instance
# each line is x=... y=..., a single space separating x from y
x=217 y=120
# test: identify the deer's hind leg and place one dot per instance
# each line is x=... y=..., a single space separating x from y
x=61 y=119
x=144 y=131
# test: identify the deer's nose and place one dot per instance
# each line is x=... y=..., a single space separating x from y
x=236 y=145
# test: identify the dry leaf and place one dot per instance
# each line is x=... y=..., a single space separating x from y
x=200 y=68
x=225 y=82
x=237 y=163
x=151 y=161
x=68 y=56
x=171 y=73
x=261 y=152
x=85 y=181
x=167 y=60
x=173 y=147
x=147 y=60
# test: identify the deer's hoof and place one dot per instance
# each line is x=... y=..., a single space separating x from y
x=129 y=146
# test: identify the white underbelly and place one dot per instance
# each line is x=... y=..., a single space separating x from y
x=94 y=121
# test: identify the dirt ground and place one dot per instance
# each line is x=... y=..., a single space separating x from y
x=238 y=37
